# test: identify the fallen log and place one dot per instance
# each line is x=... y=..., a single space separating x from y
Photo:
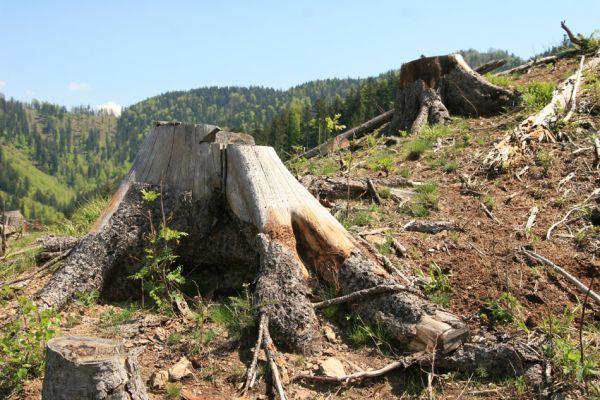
x=538 y=61
x=537 y=127
x=239 y=204
x=342 y=140
x=490 y=66
x=90 y=368
x=342 y=188
x=432 y=227
x=431 y=88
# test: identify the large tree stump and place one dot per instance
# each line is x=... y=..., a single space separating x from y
x=433 y=88
x=90 y=368
x=244 y=210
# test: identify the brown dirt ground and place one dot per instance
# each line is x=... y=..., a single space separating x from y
x=481 y=262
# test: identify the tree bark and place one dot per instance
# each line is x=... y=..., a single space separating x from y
x=432 y=88
x=243 y=209
x=90 y=368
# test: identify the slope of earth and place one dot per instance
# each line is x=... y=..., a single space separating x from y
x=477 y=271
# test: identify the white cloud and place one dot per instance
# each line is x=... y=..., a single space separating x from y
x=79 y=87
x=111 y=107
x=2 y=83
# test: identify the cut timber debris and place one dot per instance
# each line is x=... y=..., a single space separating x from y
x=342 y=140
x=490 y=66
x=242 y=209
x=342 y=188
x=432 y=227
x=538 y=127
x=90 y=368
x=432 y=88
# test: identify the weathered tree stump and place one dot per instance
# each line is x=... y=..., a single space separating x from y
x=90 y=368
x=433 y=88
x=244 y=210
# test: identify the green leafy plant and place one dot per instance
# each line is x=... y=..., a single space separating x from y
x=173 y=391
x=384 y=192
x=537 y=95
x=238 y=315
x=362 y=333
x=436 y=284
x=357 y=218
x=87 y=298
x=489 y=202
x=385 y=248
x=499 y=80
x=115 y=316
x=545 y=160
x=22 y=343
x=160 y=276
x=503 y=310
x=416 y=147
x=564 y=351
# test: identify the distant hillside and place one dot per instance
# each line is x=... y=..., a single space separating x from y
x=50 y=157
x=247 y=109
x=53 y=158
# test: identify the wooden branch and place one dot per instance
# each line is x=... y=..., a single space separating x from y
x=343 y=139
x=404 y=362
x=400 y=249
x=574 y=92
x=373 y=192
x=489 y=213
x=579 y=206
x=271 y=355
x=39 y=270
x=573 y=38
x=251 y=374
x=364 y=293
x=544 y=261
x=490 y=66
x=531 y=220
x=539 y=61
x=597 y=152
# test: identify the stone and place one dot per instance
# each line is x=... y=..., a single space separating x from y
x=180 y=370
x=329 y=333
x=159 y=379
x=332 y=367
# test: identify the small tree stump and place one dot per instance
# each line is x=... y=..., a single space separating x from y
x=90 y=368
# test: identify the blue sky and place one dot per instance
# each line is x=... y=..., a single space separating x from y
x=92 y=52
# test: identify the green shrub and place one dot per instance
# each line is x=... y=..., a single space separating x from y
x=384 y=192
x=385 y=248
x=362 y=333
x=563 y=348
x=416 y=147
x=537 y=95
x=436 y=285
x=428 y=195
x=357 y=218
x=82 y=219
x=503 y=310
x=159 y=275
x=238 y=315
x=499 y=80
x=117 y=316
x=22 y=344
x=450 y=166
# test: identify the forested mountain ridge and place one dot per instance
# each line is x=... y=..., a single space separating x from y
x=51 y=158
